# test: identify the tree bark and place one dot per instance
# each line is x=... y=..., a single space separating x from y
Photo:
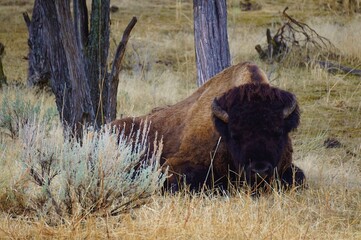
x=39 y=66
x=210 y=36
x=54 y=53
x=53 y=46
x=97 y=55
x=80 y=12
x=80 y=102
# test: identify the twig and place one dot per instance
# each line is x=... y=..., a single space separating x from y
x=27 y=19
x=304 y=29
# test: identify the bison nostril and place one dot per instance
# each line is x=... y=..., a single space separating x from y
x=260 y=167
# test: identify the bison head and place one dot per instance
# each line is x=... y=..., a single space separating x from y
x=254 y=121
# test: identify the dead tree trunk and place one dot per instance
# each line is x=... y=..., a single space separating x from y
x=81 y=108
x=75 y=58
x=210 y=37
x=54 y=54
x=97 y=54
x=39 y=65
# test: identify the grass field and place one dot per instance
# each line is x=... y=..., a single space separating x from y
x=159 y=69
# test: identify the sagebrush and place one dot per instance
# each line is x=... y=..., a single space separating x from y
x=106 y=173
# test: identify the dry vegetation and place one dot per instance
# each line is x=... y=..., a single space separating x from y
x=159 y=69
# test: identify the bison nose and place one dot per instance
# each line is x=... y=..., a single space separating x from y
x=262 y=168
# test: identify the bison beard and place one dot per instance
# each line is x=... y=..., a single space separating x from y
x=233 y=130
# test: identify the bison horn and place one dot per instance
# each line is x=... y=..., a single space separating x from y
x=219 y=112
x=288 y=110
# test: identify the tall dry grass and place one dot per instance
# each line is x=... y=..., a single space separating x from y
x=158 y=70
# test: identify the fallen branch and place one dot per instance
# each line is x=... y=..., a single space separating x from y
x=297 y=27
x=295 y=37
x=296 y=43
x=336 y=67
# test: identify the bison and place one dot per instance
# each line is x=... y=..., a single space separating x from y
x=233 y=129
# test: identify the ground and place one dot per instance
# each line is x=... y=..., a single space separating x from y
x=160 y=62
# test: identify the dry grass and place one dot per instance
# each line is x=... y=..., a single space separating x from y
x=160 y=70
x=314 y=214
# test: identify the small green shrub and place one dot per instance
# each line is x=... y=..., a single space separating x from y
x=104 y=174
x=16 y=110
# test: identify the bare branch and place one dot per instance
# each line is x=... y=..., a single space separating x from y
x=113 y=77
x=121 y=48
x=297 y=38
x=27 y=19
x=306 y=30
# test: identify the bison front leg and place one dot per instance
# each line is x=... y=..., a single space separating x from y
x=293 y=177
x=187 y=176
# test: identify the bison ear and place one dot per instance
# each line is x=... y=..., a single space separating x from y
x=290 y=107
x=291 y=113
x=220 y=118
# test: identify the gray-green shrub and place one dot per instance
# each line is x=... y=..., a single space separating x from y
x=16 y=110
x=104 y=174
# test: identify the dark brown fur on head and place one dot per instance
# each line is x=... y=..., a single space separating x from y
x=256 y=133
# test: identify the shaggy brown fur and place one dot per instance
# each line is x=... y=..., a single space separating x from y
x=256 y=132
x=189 y=135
